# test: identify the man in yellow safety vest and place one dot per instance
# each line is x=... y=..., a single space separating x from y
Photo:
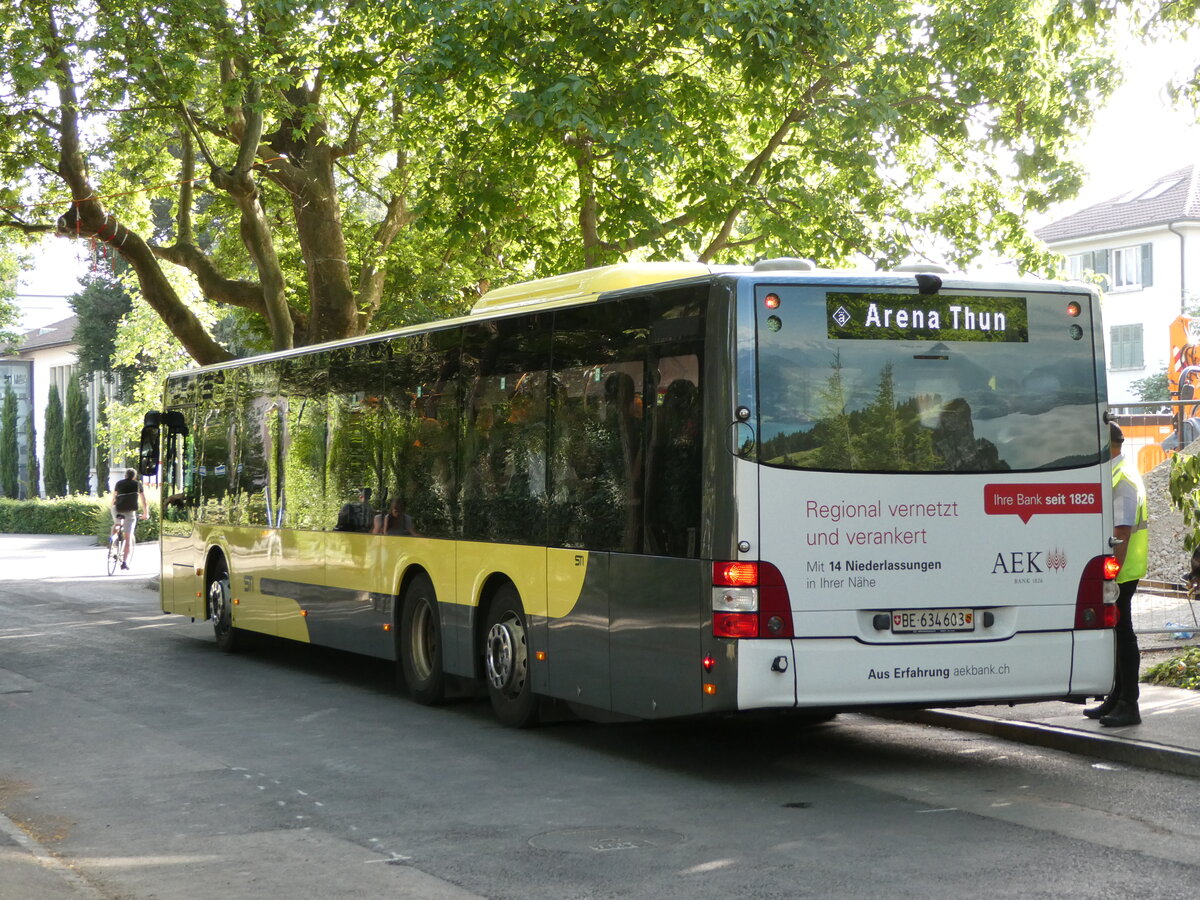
x=1131 y=544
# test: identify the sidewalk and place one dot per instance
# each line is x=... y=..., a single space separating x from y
x=1167 y=740
x=69 y=557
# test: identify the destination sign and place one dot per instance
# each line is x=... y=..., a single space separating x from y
x=913 y=317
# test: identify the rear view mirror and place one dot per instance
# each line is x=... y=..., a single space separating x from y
x=148 y=452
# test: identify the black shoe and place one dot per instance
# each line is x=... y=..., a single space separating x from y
x=124 y=565
x=1103 y=709
x=1125 y=714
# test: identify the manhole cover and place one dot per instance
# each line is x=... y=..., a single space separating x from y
x=604 y=840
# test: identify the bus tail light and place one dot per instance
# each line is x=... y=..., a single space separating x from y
x=1096 y=601
x=750 y=600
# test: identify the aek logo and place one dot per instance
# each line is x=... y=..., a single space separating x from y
x=1029 y=562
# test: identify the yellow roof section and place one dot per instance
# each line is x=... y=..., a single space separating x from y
x=586 y=285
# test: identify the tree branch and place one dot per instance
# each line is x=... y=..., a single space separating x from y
x=88 y=219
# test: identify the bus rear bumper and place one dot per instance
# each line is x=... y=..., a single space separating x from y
x=844 y=672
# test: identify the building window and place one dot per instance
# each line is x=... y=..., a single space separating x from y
x=59 y=377
x=1126 y=268
x=1126 y=351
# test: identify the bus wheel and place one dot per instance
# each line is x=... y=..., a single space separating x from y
x=506 y=661
x=421 y=643
x=220 y=608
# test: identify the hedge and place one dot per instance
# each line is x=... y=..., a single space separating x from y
x=66 y=515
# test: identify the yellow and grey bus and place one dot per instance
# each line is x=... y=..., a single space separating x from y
x=669 y=489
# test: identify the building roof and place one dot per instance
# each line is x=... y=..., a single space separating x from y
x=1168 y=198
x=56 y=334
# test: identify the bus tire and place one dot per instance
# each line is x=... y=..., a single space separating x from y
x=506 y=661
x=420 y=648
x=220 y=608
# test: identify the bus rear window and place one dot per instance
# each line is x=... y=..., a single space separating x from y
x=881 y=381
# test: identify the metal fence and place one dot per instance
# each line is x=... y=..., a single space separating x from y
x=1164 y=608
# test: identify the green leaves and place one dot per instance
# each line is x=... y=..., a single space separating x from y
x=1184 y=487
x=456 y=145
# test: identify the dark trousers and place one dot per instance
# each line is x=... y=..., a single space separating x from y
x=1128 y=656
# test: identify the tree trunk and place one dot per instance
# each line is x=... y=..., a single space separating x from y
x=332 y=312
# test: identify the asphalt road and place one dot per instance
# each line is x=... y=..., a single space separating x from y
x=137 y=761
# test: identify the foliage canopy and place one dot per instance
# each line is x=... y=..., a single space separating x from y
x=308 y=162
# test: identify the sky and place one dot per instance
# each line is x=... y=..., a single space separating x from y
x=1137 y=135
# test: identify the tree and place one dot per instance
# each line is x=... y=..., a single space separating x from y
x=330 y=155
x=1152 y=387
x=102 y=445
x=77 y=441
x=33 y=473
x=52 y=452
x=12 y=260
x=99 y=307
x=9 y=449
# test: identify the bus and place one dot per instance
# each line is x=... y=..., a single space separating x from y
x=669 y=489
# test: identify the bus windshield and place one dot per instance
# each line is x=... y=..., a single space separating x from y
x=892 y=381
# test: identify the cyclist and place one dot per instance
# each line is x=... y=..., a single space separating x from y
x=127 y=495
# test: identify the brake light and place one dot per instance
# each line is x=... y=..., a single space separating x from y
x=1096 y=600
x=735 y=574
x=735 y=625
x=750 y=600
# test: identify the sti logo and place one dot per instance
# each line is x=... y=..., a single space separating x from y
x=1029 y=562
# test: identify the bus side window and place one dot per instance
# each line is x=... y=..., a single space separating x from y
x=674 y=488
x=597 y=434
x=503 y=451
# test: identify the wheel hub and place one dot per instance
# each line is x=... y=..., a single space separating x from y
x=499 y=656
x=218 y=601
x=424 y=641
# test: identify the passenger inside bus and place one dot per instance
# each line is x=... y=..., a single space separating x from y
x=396 y=521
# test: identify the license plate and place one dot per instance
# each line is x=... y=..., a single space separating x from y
x=924 y=620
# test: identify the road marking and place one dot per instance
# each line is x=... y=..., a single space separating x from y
x=43 y=625
x=156 y=625
x=393 y=859
x=321 y=712
x=46 y=859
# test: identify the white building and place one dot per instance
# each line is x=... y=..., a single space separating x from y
x=1146 y=244
x=50 y=354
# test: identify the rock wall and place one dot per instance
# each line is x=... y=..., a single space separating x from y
x=1168 y=560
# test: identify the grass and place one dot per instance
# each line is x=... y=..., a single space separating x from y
x=1181 y=671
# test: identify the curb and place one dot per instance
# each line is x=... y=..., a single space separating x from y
x=1130 y=751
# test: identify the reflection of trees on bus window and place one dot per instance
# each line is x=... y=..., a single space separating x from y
x=503 y=436
x=472 y=428
x=922 y=433
x=625 y=458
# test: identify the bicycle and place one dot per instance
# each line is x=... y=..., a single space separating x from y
x=116 y=544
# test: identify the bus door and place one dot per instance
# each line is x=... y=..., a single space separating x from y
x=178 y=492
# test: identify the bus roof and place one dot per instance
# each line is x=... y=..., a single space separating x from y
x=588 y=285
x=577 y=287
